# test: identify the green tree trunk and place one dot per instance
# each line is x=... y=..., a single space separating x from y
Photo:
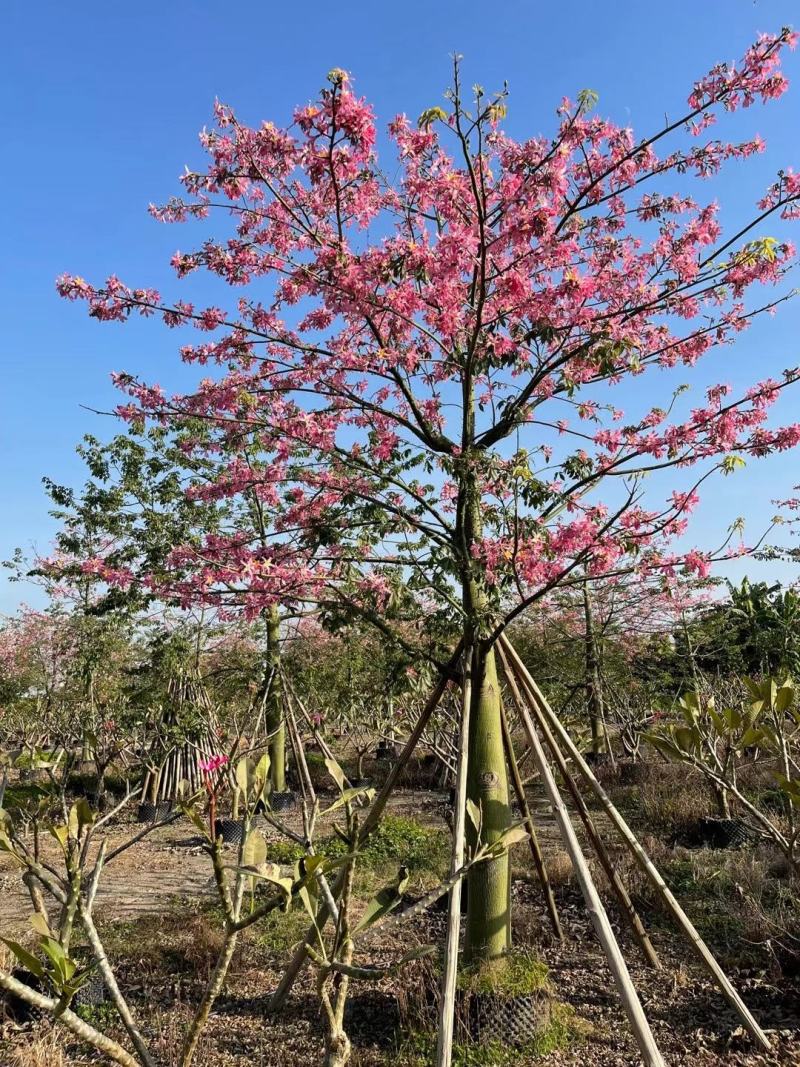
x=594 y=689
x=274 y=709
x=488 y=884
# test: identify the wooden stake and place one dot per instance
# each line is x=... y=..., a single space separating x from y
x=447 y=1001
x=297 y=744
x=644 y=861
x=522 y=800
x=625 y=902
x=616 y=962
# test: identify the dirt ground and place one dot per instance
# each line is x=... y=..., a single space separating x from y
x=690 y=1020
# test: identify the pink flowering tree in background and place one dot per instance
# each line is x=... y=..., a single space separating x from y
x=587 y=639
x=428 y=364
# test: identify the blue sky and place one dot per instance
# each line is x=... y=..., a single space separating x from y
x=102 y=106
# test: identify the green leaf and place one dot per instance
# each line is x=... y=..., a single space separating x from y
x=244 y=771
x=385 y=901
x=348 y=795
x=81 y=815
x=254 y=850
x=663 y=745
x=587 y=99
x=40 y=924
x=784 y=697
x=191 y=813
x=29 y=962
x=430 y=115
x=717 y=722
x=336 y=772
x=753 y=735
x=271 y=872
x=475 y=815
x=512 y=836
x=261 y=776
x=60 y=833
x=686 y=738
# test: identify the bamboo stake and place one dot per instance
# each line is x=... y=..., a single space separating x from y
x=644 y=860
x=304 y=775
x=527 y=818
x=372 y=819
x=324 y=747
x=625 y=902
x=616 y=962
x=447 y=1004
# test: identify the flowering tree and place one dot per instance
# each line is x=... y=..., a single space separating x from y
x=426 y=364
x=588 y=639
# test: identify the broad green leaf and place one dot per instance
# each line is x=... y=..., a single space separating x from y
x=28 y=961
x=336 y=772
x=254 y=851
x=384 y=901
x=80 y=816
x=271 y=872
x=754 y=735
x=307 y=866
x=511 y=836
x=475 y=815
x=195 y=817
x=244 y=770
x=40 y=924
x=717 y=722
x=663 y=744
x=418 y=953
x=348 y=795
x=784 y=698
x=262 y=767
x=60 y=833
x=686 y=738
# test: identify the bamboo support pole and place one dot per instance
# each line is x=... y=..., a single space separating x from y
x=522 y=800
x=647 y=865
x=616 y=962
x=306 y=784
x=447 y=1000
x=372 y=819
x=625 y=902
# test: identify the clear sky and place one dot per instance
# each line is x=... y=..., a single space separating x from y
x=103 y=103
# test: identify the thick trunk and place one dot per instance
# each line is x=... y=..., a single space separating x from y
x=274 y=710
x=488 y=884
x=594 y=691
x=723 y=804
x=337 y=1050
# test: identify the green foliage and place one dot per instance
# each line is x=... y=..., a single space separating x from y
x=563 y=1029
x=278 y=932
x=399 y=840
x=516 y=974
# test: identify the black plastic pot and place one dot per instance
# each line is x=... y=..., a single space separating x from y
x=229 y=831
x=153 y=812
x=507 y=1020
x=714 y=832
x=386 y=750
x=15 y=1008
x=91 y=993
x=596 y=759
x=723 y=833
x=630 y=772
x=284 y=801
